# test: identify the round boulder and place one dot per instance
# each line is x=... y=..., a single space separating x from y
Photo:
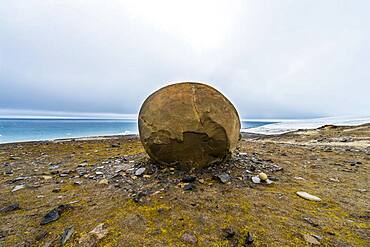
x=189 y=125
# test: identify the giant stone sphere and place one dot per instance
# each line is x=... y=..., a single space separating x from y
x=189 y=125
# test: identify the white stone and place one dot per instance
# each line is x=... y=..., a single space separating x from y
x=307 y=196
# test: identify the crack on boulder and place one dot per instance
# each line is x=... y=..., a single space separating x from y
x=196 y=149
x=195 y=104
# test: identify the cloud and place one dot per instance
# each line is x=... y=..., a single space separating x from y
x=272 y=59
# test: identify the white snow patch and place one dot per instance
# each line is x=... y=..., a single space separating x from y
x=288 y=126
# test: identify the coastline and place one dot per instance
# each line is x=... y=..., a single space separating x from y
x=277 y=128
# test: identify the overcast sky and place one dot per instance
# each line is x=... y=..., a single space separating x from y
x=272 y=59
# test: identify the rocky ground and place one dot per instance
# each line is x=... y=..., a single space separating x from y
x=105 y=192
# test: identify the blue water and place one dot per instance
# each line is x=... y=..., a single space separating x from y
x=15 y=130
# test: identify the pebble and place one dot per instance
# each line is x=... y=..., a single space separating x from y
x=18 y=187
x=99 y=173
x=47 y=177
x=334 y=180
x=189 y=238
x=310 y=239
x=258 y=180
x=224 y=178
x=307 y=196
x=361 y=190
x=77 y=183
x=140 y=171
x=104 y=181
x=188 y=179
x=67 y=234
x=263 y=176
x=249 y=239
x=189 y=187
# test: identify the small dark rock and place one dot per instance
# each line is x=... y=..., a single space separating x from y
x=189 y=187
x=228 y=233
x=115 y=145
x=188 y=179
x=9 y=208
x=248 y=239
x=56 y=190
x=55 y=214
x=2 y=234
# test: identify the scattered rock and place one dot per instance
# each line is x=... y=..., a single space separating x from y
x=92 y=238
x=18 y=187
x=56 y=190
x=9 y=208
x=189 y=238
x=99 y=173
x=115 y=145
x=311 y=222
x=104 y=181
x=77 y=183
x=310 y=239
x=68 y=232
x=361 y=190
x=228 y=233
x=258 y=180
x=55 y=214
x=336 y=180
x=140 y=171
x=248 y=239
x=224 y=178
x=100 y=231
x=307 y=196
x=47 y=177
x=263 y=176
x=189 y=186
x=188 y=179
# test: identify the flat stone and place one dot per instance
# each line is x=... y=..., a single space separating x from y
x=224 y=178
x=67 y=234
x=310 y=239
x=18 y=187
x=188 y=125
x=104 y=181
x=140 y=171
x=308 y=196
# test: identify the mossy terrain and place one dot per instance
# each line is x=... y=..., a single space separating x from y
x=154 y=209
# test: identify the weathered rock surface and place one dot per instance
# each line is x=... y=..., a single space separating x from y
x=188 y=125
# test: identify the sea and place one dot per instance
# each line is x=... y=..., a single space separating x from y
x=38 y=129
